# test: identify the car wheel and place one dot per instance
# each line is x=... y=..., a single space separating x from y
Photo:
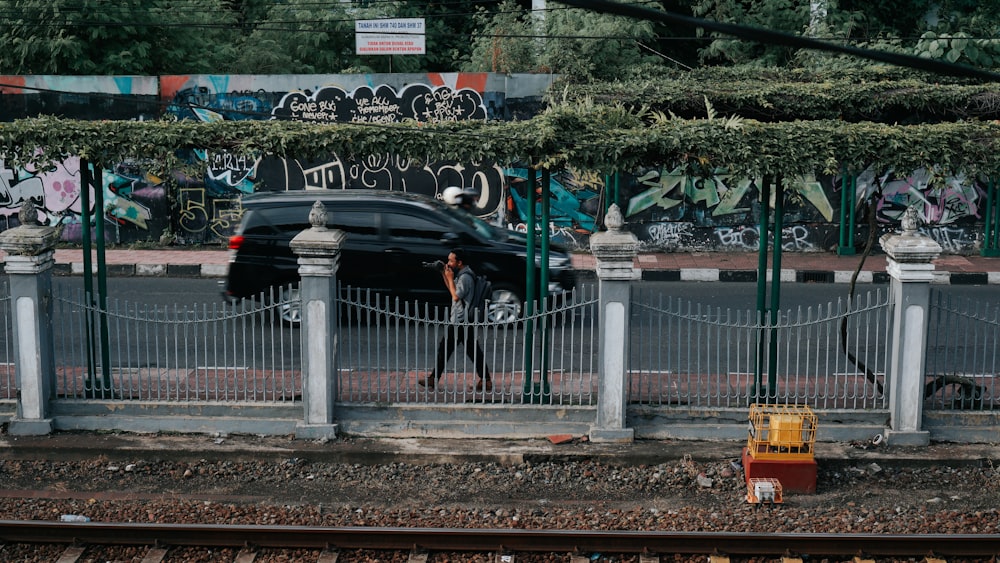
x=290 y=308
x=505 y=305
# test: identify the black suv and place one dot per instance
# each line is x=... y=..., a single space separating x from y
x=390 y=236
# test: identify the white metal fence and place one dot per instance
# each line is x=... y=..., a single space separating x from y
x=831 y=356
x=963 y=354
x=220 y=352
x=387 y=346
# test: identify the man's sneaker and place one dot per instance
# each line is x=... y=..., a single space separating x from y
x=484 y=385
x=427 y=381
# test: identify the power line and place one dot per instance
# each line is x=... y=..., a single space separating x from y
x=295 y=26
x=781 y=38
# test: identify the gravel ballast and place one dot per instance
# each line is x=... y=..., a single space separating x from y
x=702 y=490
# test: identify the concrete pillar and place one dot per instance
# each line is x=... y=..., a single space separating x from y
x=615 y=250
x=909 y=265
x=28 y=263
x=318 y=249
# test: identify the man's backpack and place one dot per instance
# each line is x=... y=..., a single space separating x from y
x=482 y=292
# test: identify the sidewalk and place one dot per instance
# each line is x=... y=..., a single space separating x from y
x=817 y=267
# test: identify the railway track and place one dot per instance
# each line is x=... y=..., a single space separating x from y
x=322 y=544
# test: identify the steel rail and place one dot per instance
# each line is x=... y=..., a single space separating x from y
x=732 y=543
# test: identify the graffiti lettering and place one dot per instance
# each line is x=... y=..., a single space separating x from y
x=561 y=235
x=796 y=237
x=740 y=238
x=668 y=236
x=419 y=102
x=226 y=215
x=325 y=176
x=193 y=215
x=951 y=239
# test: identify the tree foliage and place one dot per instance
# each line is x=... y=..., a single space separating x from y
x=579 y=45
x=953 y=30
x=505 y=41
x=122 y=37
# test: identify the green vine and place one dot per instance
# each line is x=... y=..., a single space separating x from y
x=891 y=101
x=588 y=136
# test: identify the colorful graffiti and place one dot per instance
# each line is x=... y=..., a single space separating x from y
x=721 y=198
x=940 y=200
x=666 y=208
x=418 y=102
x=134 y=202
x=209 y=210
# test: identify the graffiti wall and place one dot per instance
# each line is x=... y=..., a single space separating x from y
x=667 y=209
x=209 y=207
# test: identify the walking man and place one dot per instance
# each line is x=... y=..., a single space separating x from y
x=459 y=279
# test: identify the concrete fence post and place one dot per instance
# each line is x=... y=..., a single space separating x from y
x=615 y=250
x=318 y=249
x=30 y=256
x=909 y=265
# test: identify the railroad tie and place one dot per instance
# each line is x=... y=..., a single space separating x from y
x=71 y=555
x=417 y=557
x=155 y=555
x=649 y=558
x=328 y=556
x=245 y=556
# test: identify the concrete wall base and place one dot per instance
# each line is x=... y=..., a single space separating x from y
x=910 y=438
x=316 y=431
x=34 y=427
x=605 y=435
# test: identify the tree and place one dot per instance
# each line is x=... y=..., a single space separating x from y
x=953 y=30
x=584 y=46
x=579 y=45
x=122 y=37
x=780 y=15
x=299 y=37
x=504 y=42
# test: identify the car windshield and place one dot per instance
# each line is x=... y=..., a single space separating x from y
x=482 y=227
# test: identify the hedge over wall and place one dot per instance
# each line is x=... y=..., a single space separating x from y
x=586 y=136
x=873 y=94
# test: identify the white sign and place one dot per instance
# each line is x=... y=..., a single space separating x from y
x=401 y=36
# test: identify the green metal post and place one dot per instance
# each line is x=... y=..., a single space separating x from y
x=772 y=368
x=88 y=282
x=991 y=232
x=543 y=389
x=762 y=238
x=529 y=297
x=102 y=278
x=848 y=195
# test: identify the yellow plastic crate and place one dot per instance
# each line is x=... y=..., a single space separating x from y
x=781 y=432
